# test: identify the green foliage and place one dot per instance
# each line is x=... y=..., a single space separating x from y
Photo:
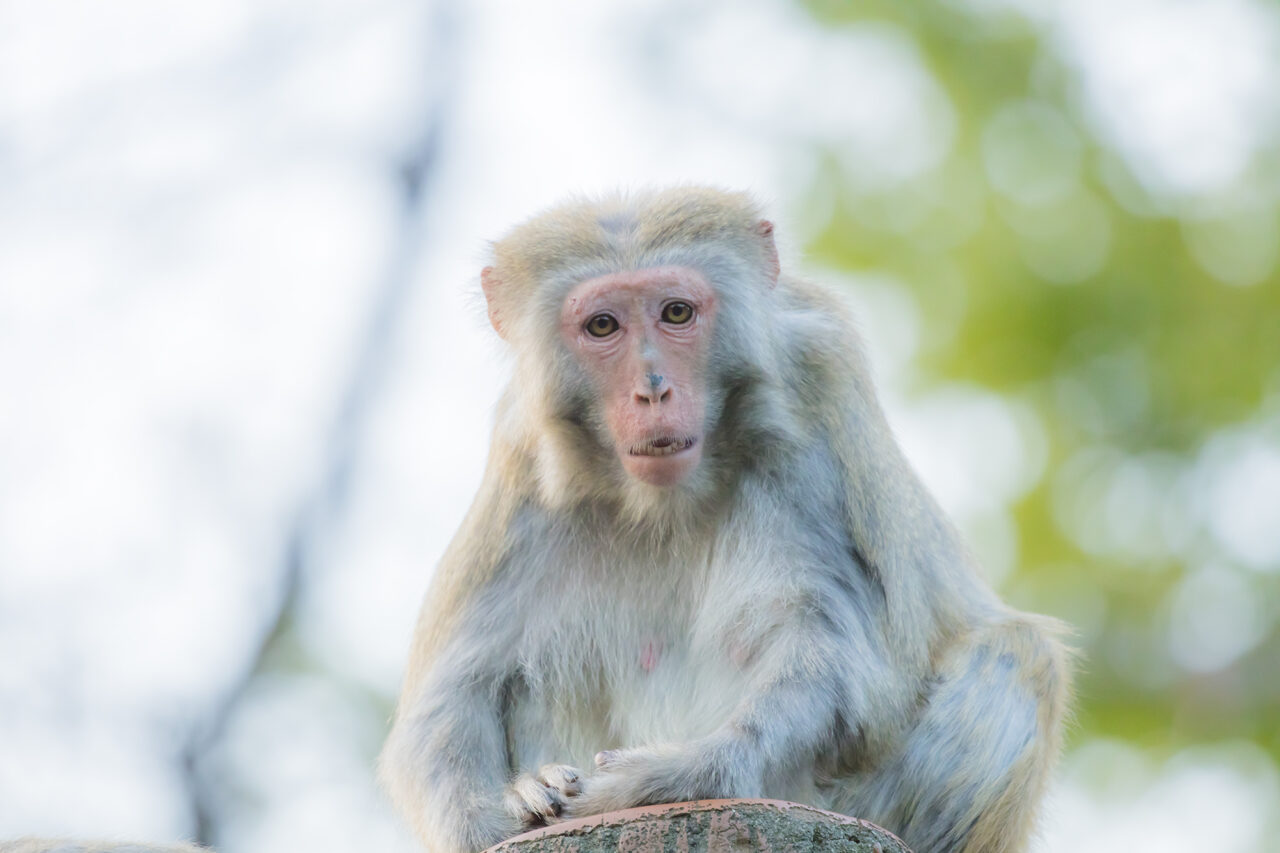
x=1043 y=271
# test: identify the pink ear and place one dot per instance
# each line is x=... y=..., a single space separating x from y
x=489 y=284
x=772 y=266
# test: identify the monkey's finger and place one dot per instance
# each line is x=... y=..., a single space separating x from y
x=606 y=757
x=534 y=802
x=562 y=778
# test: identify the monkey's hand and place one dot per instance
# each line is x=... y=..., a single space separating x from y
x=539 y=799
x=624 y=778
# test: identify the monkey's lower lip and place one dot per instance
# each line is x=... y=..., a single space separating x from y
x=663 y=446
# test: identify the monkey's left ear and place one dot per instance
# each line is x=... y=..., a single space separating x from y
x=489 y=284
x=765 y=230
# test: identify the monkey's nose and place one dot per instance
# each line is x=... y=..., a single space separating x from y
x=654 y=389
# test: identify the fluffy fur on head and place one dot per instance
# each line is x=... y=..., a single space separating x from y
x=539 y=260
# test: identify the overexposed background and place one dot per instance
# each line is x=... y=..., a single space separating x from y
x=246 y=381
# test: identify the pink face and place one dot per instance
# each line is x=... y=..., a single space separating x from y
x=643 y=337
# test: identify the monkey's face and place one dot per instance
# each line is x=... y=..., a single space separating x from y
x=642 y=337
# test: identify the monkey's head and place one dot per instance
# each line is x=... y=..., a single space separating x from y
x=630 y=319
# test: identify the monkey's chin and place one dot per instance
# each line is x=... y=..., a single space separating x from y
x=666 y=470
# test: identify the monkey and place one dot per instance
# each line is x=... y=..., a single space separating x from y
x=698 y=564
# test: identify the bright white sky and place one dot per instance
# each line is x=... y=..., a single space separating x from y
x=197 y=209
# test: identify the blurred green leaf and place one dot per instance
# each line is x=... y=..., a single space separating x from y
x=1142 y=332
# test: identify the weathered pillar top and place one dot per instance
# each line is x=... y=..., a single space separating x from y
x=716 y=826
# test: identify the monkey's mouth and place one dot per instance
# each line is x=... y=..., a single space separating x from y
x=663 y=446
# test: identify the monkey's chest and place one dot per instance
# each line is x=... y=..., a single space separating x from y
x=626 y=681
x=674 y=689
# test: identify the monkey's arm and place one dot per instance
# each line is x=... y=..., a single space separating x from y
x=445 y=761
x=444 y=765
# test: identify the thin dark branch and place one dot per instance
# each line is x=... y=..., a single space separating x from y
x=322 y=508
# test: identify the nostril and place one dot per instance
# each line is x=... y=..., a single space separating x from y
x=651 y=397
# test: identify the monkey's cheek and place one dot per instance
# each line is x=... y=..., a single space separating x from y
x=663 y=471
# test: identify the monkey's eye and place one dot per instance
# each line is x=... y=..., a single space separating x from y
x=602 y=326
x=677 y=313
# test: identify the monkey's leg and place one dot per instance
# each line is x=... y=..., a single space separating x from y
x=973 y=768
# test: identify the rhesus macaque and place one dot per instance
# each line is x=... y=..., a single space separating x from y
x=699 y=566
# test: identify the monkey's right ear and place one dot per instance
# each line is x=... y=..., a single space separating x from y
x=765 y=230
x=489 y=284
